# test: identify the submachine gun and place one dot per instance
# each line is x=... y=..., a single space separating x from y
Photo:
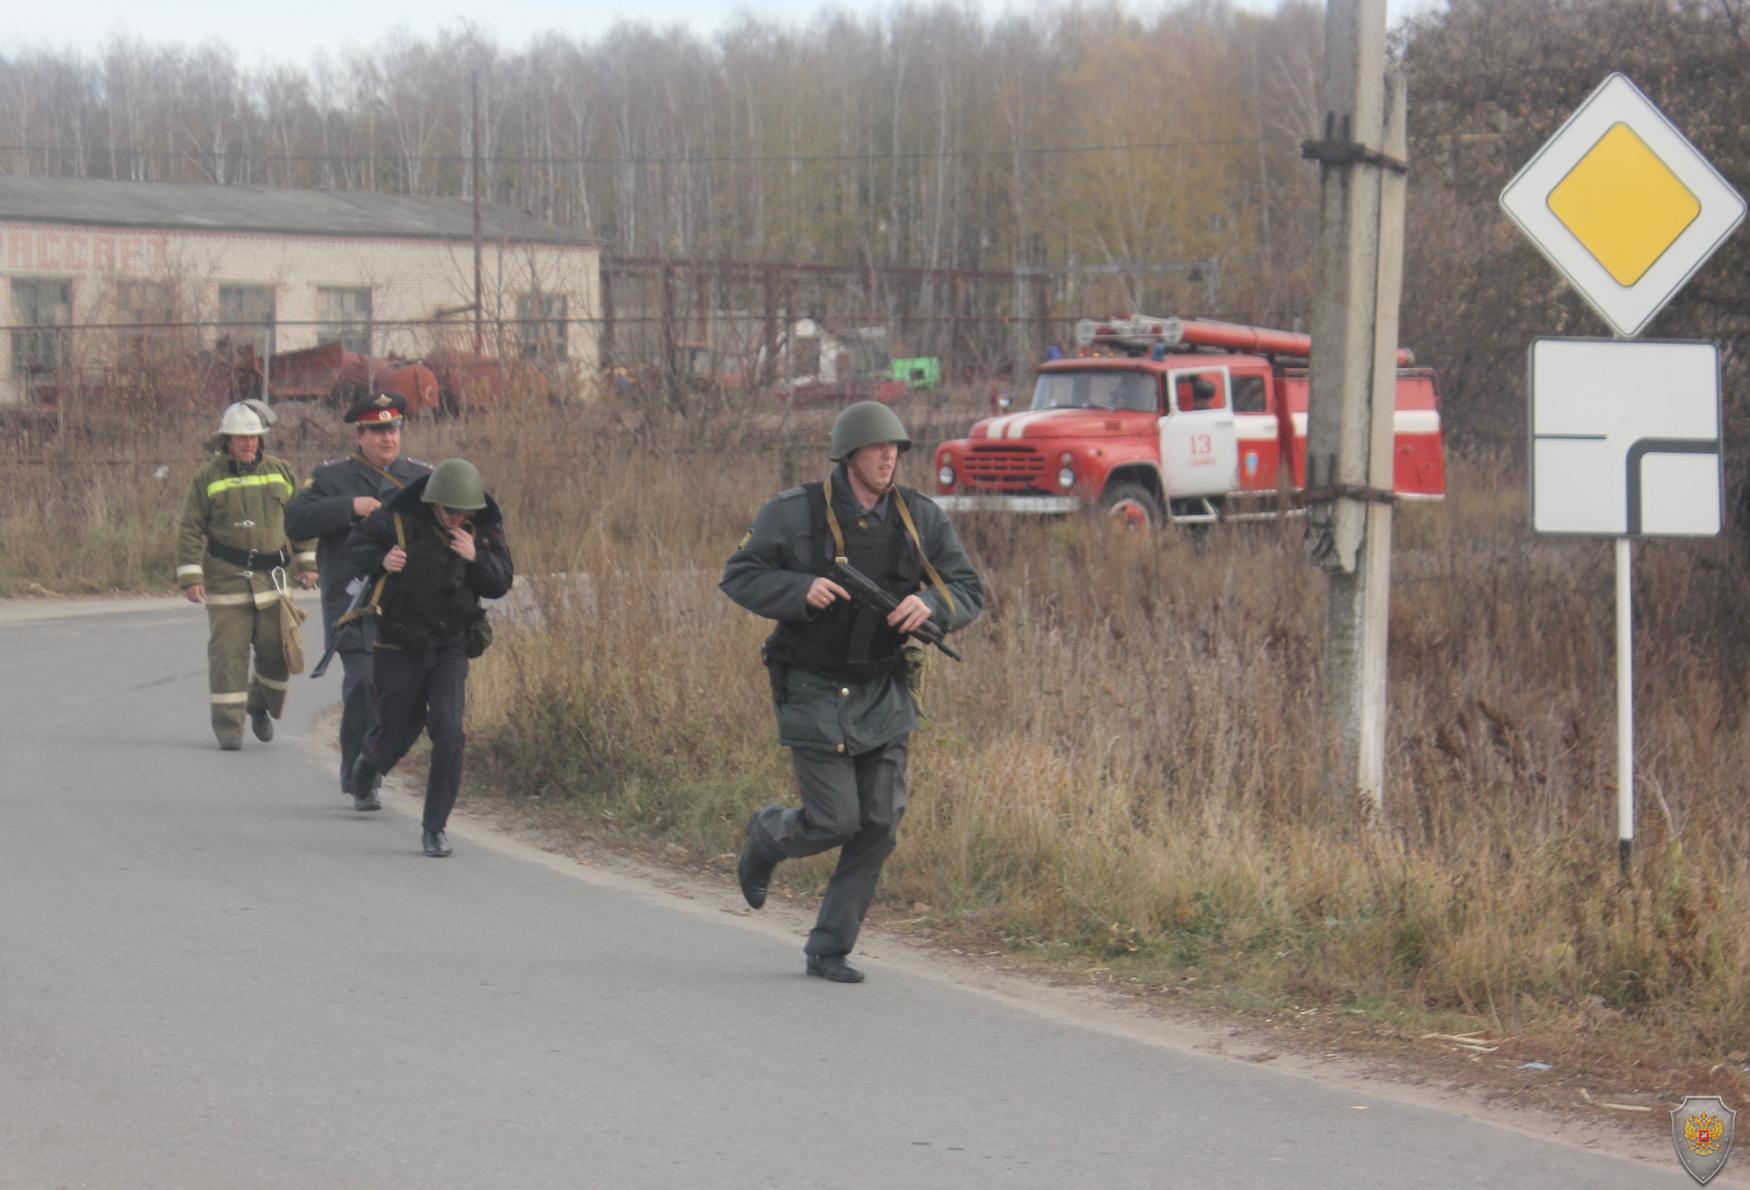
x=867 y=590
x=361 y=590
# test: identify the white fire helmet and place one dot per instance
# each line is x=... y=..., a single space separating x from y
x=241 y=421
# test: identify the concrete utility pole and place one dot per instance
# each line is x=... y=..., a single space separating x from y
x=474 y=185
x=1354 y=383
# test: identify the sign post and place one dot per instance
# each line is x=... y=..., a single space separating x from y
x=1625 y=434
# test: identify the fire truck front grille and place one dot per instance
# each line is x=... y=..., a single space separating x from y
x=1005 y=468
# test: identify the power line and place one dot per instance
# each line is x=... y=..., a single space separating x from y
x=392 y=158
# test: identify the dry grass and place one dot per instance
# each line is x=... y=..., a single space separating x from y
x=1127 y=768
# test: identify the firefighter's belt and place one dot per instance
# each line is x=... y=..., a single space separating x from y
x=250 y=560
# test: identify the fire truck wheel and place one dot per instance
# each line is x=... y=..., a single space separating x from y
x=1132 y=506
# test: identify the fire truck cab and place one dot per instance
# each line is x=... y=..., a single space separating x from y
x=1181 y=419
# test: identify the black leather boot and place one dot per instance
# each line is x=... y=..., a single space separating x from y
x=261 y=723
x=365 y=782
x=754 y=868
x=436 y=843
x=833 y=967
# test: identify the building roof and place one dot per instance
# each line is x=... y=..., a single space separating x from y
x=261 y=210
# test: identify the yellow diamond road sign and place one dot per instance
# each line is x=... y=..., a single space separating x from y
x=1623 y=205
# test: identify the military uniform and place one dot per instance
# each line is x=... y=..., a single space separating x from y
x=842 y=704
x=323 y=510
x=419 y=665
x=231 y=539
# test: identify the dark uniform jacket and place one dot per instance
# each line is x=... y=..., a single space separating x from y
x=437 y=596
x=323 y=510
x=238 y=506
x=844 y=704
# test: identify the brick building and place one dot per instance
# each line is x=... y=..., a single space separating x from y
x=83 y=261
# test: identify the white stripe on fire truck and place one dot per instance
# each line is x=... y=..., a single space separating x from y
x=1261 y=427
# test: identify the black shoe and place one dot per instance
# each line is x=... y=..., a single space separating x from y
x=231 y=745
x=366 y=780
x=754 y=869
x=261 y=724
x=437 y=845
x=833 y=967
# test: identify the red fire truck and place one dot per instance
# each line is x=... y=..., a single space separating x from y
x=1180 y=419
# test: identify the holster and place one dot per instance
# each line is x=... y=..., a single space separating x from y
x=914 y=669
x=777 y=674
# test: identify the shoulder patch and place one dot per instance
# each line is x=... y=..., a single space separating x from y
x=745 y=538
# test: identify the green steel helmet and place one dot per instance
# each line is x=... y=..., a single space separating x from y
x=865 y=424
x=454 y=483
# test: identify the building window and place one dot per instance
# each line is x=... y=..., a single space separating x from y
x=151 y=304
x=345 y=315
x=248 y=314
x=540 y=325
x=41 y=304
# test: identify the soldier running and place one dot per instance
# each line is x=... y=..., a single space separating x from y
x=843 y=675
x=440 y=542
x=231 y=554
x=338 y=495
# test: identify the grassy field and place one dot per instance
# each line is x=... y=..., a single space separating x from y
x=1125 y=773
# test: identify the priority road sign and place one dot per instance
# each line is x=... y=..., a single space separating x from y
x=1623 y=205
x=1625 y=438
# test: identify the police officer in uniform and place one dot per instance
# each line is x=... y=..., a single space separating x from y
x=232 y=555
x=338 y=495
x=841 y=671
x=440 y=542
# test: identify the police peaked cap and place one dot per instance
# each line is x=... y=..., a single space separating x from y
x=379 y=409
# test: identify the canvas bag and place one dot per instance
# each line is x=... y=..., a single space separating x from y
x=292 y=619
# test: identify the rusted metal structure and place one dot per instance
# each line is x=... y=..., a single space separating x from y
x=978 y=322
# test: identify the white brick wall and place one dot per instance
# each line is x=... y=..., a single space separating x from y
x=409 y=279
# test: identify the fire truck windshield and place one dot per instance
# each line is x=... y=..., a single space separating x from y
x=1134 y=391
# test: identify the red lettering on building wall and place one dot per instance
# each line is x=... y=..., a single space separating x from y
x=103 y=254
x=48 y=250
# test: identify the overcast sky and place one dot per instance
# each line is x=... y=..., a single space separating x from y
x=286 y=31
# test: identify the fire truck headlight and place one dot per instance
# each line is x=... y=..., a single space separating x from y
x=1066 y=478
x=945 y=476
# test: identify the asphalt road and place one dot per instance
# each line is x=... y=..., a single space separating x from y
x=213 y=973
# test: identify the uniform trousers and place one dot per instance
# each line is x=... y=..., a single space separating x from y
x=355 y=710
x=852 y=802
x=414 y=690
x=236 y=624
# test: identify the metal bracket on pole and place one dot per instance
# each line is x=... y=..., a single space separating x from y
x=1348 y=152
x=1346 y=491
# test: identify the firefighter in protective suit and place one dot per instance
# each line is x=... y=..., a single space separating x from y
x=843 y=676
x=232 y=555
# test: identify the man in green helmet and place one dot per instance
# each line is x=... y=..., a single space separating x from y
x=439 y=546
x=232 y=555
x=839 y=668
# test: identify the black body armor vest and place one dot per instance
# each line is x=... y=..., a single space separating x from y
x=849 y=641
